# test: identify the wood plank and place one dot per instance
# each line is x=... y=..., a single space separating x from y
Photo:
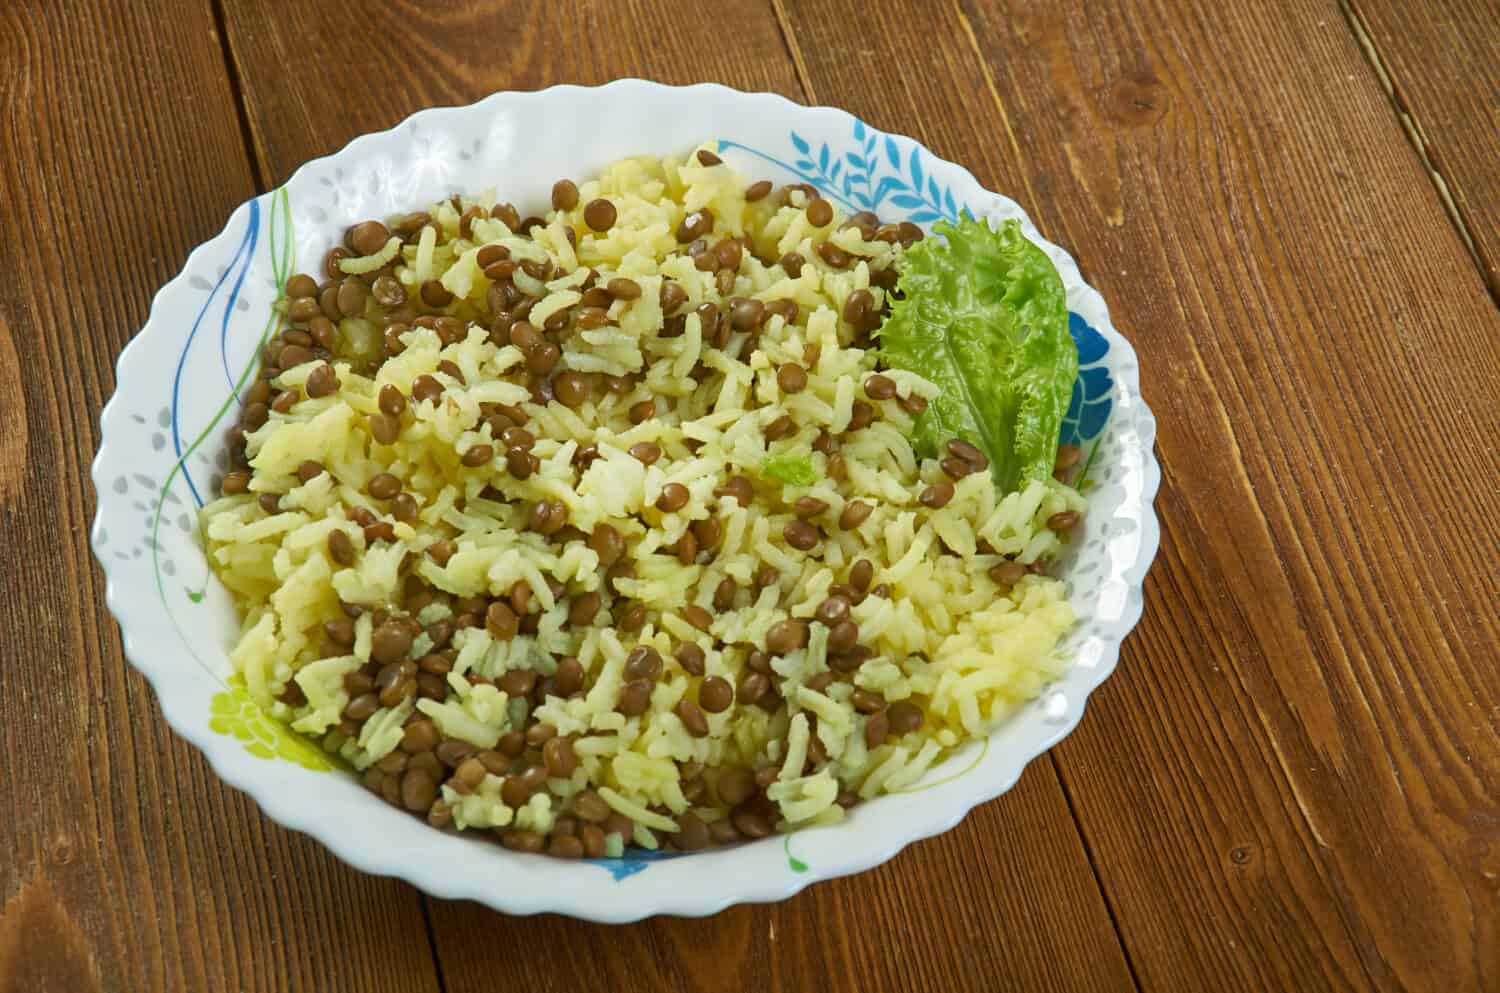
x=1004 y=901
x=1291 y=782
x=416 y=56
x=1028 y=838
x=127 y=865
x=1440 y=62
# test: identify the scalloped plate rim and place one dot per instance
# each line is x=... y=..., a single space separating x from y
x=611 y=902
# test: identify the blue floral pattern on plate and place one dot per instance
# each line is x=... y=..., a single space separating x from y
x=875 y=173
x=1088 y=410
x=633 y=861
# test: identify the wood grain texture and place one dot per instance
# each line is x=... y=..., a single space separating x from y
x=1034 y=840
x=1440 y=61
x=126 y=864
x=419 y=55
x=1291 y=781
x=1004 y=901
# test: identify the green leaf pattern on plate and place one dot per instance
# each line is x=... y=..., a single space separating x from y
x=235 y=713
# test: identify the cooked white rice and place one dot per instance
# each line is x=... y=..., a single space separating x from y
x=946 y=637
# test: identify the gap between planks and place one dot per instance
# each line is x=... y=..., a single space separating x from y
x=236 y=88
x=804 y=80
x=258 y=174
x=1418 y=139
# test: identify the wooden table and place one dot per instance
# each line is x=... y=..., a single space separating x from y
x=1293 y=207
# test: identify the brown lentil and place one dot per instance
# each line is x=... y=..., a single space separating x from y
x=724 y=594
x=559 y=756
x=877 y=729
x=695 y=226
x=697 y=616
x=671 y=296
x=589 y=806
x=434 y=294
x=969 y=453
x=835 y=256
x=751 y=822
x=600 y=215
x=692 y=718
x=622 y=288
x=646 y=452
x=391 y=641
x=568 y=679
x=914 y=404
x=715 y=694
x=843 y=637
x=518 y=840
x=674 y=496
x=746 y=314
x=956 y=468
x=861 y=574
x=308 y=470
x=294 y=355
x=565 y=846
x=809 y=506
x=301 y=285
x=379 y=531
x=1065 y=520
x=643 y=411
x=1068 y=456
x=753 y=687
x=634 y=698
x=478 y=455
x=384 y=428
x=518 y=682
x=735 y=785
x=786 y=308
x=791 y=377
x=800 y=535
x=690 y=657
x=722 y=832
x=583 y=609
x=905 y=717
x=855 y=513
x=832 y=610
x=426 y=387
x=340 y=630
x=501 y=621
x=729 y=253
x=878 y=387
x=937 y=495
x=786 y=636
x=391 y=401
x=861 y=416
x=518 y=462
x=518 y=437
x=361 y=707
x=564 y=195
x=340 y=548
x=383 y=486
x=321 y=382
x=780 y=428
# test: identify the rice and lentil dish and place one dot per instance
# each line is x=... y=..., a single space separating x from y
x=606 y=528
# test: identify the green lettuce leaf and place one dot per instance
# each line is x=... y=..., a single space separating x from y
x=984 y=316
x=795 y=470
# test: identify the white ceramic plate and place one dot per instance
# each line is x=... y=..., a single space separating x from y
x=162 y=455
